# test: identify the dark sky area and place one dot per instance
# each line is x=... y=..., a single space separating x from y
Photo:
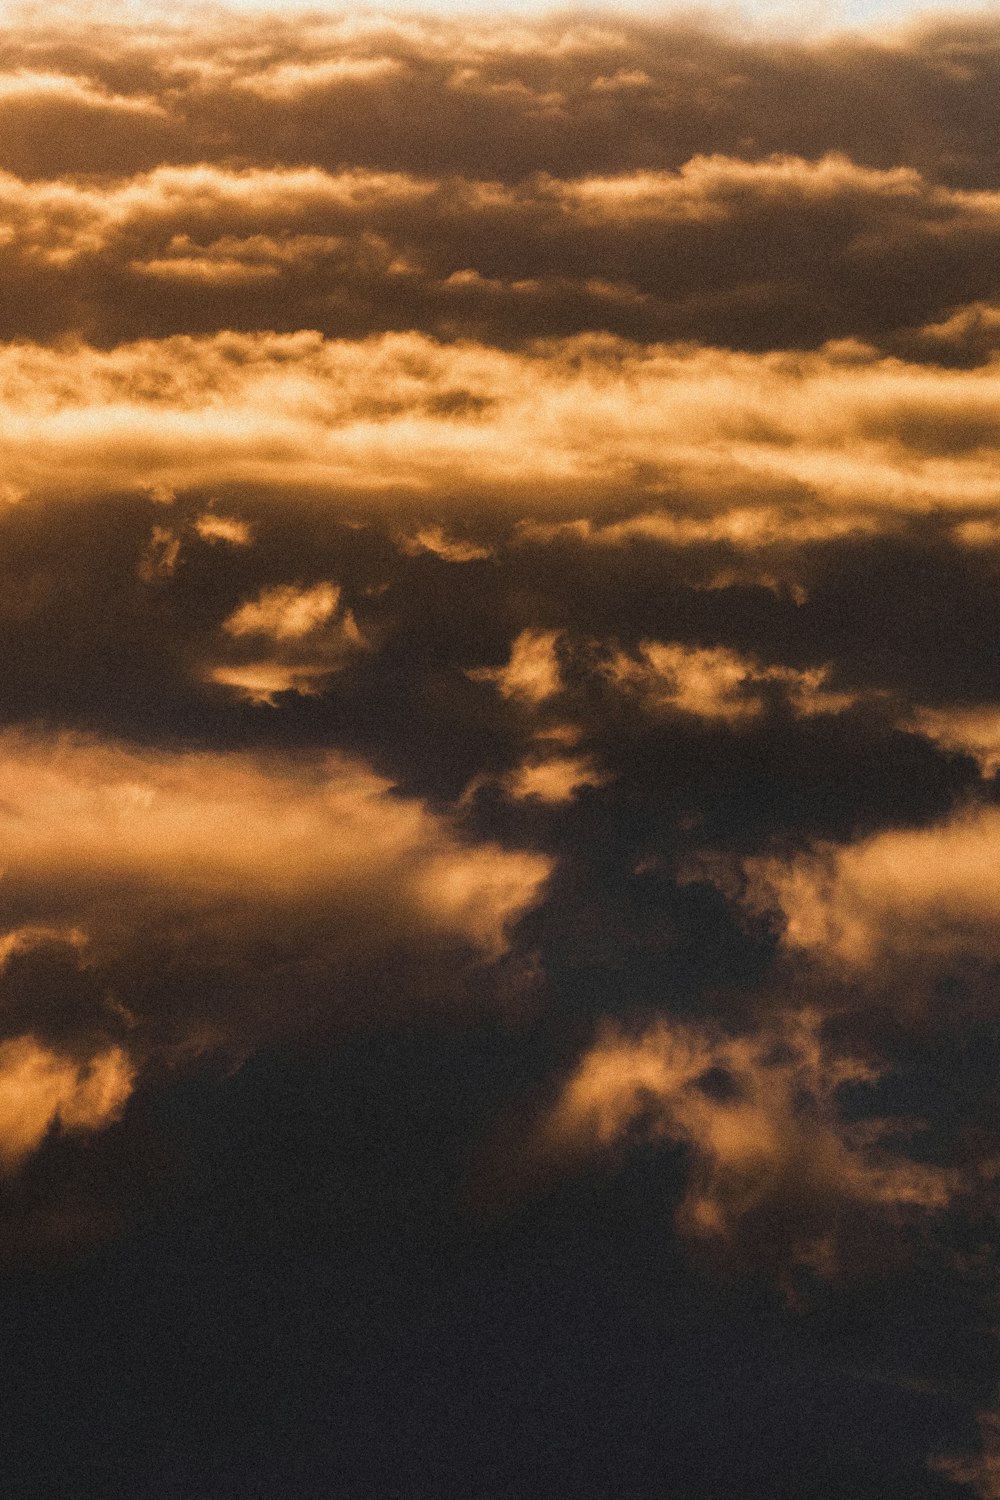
x=499 y=748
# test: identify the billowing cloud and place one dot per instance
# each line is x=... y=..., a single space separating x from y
x=851 y=429
x=553 y=778
x=151 y=872
x=39 y=1090
x=212 y=527
x=972 y=730
x=285 y=612
x=770 y=1150
x=713 y=682
x=499 y=573
x=532 y=674
x=434 y=539
x=927 y=895
x=309 y=633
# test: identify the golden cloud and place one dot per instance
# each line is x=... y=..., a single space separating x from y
x=761 y=1118
x=532 y=675
x=972 y=729
x=199 y=828
x=898 y=897
x=289 y=881
x=862 y=434
x=402 y=410
x=285 y=612
x=212 y=527
x=26 y=86
x=310 y=636
x=450 y=549
x=39 y=1089
x=714 y=682
x=553 y=778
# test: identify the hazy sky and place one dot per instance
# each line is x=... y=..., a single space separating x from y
x=810 y=17
x=499 y=757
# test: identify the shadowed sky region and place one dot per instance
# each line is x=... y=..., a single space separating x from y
x=499 y=757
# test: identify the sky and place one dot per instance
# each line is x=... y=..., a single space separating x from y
x=499 y=755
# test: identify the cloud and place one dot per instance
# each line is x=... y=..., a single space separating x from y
x=311 y=632
x=292 y=80
x=980 y=1471
x=499 y=511
x=714 y=682
x=771 y=1155
x=745 y=527
x=212 y=527
x=553 y=778
x=859 y=434
x=161 y=555
x=897 y=899
x=434 y=539
x=971 y=730
x=23 y=86
x=171 y=902
x=532 y=675
x=39 y=1089
x=285 y=612
x=262 y=682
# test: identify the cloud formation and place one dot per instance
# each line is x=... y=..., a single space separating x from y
x=499 y=596
x=772 y=1158
x=845 y=426
x=183 y=901
x=914 y=894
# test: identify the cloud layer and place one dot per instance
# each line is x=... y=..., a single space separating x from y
x=499 y=734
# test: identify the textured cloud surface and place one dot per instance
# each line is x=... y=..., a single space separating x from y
x=499 y=748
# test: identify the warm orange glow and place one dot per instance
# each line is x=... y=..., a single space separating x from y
x=39 y=1089
x=532 y=674
x=859 y=433
x=909 y=894
x=760 y=1115
x=716 y=683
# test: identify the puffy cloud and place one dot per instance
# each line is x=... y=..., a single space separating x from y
x=312 y=635
x=714 y=682
x=771 y=1153
x=532 y=675
x=609 y=404
x=24 y=86
x=861 y=434
x=207 y=900
x=971 y=730
x=553 y=778
x=285 y=612
x=901 y=897
x=40 y=1089
x=199 y=826
x=262 y=682
x=451 y=549
x=212 y=527
x=745 y=527
x=161 y=556
x=291 y=80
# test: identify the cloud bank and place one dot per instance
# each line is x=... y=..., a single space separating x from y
x=499 y=734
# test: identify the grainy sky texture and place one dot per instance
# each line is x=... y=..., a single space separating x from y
x=499 y=752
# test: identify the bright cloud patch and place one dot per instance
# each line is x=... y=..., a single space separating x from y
x=760 y=1116
x=40 y=1090
x=924 y=894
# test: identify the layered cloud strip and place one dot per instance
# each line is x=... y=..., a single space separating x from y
x=500 y=535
